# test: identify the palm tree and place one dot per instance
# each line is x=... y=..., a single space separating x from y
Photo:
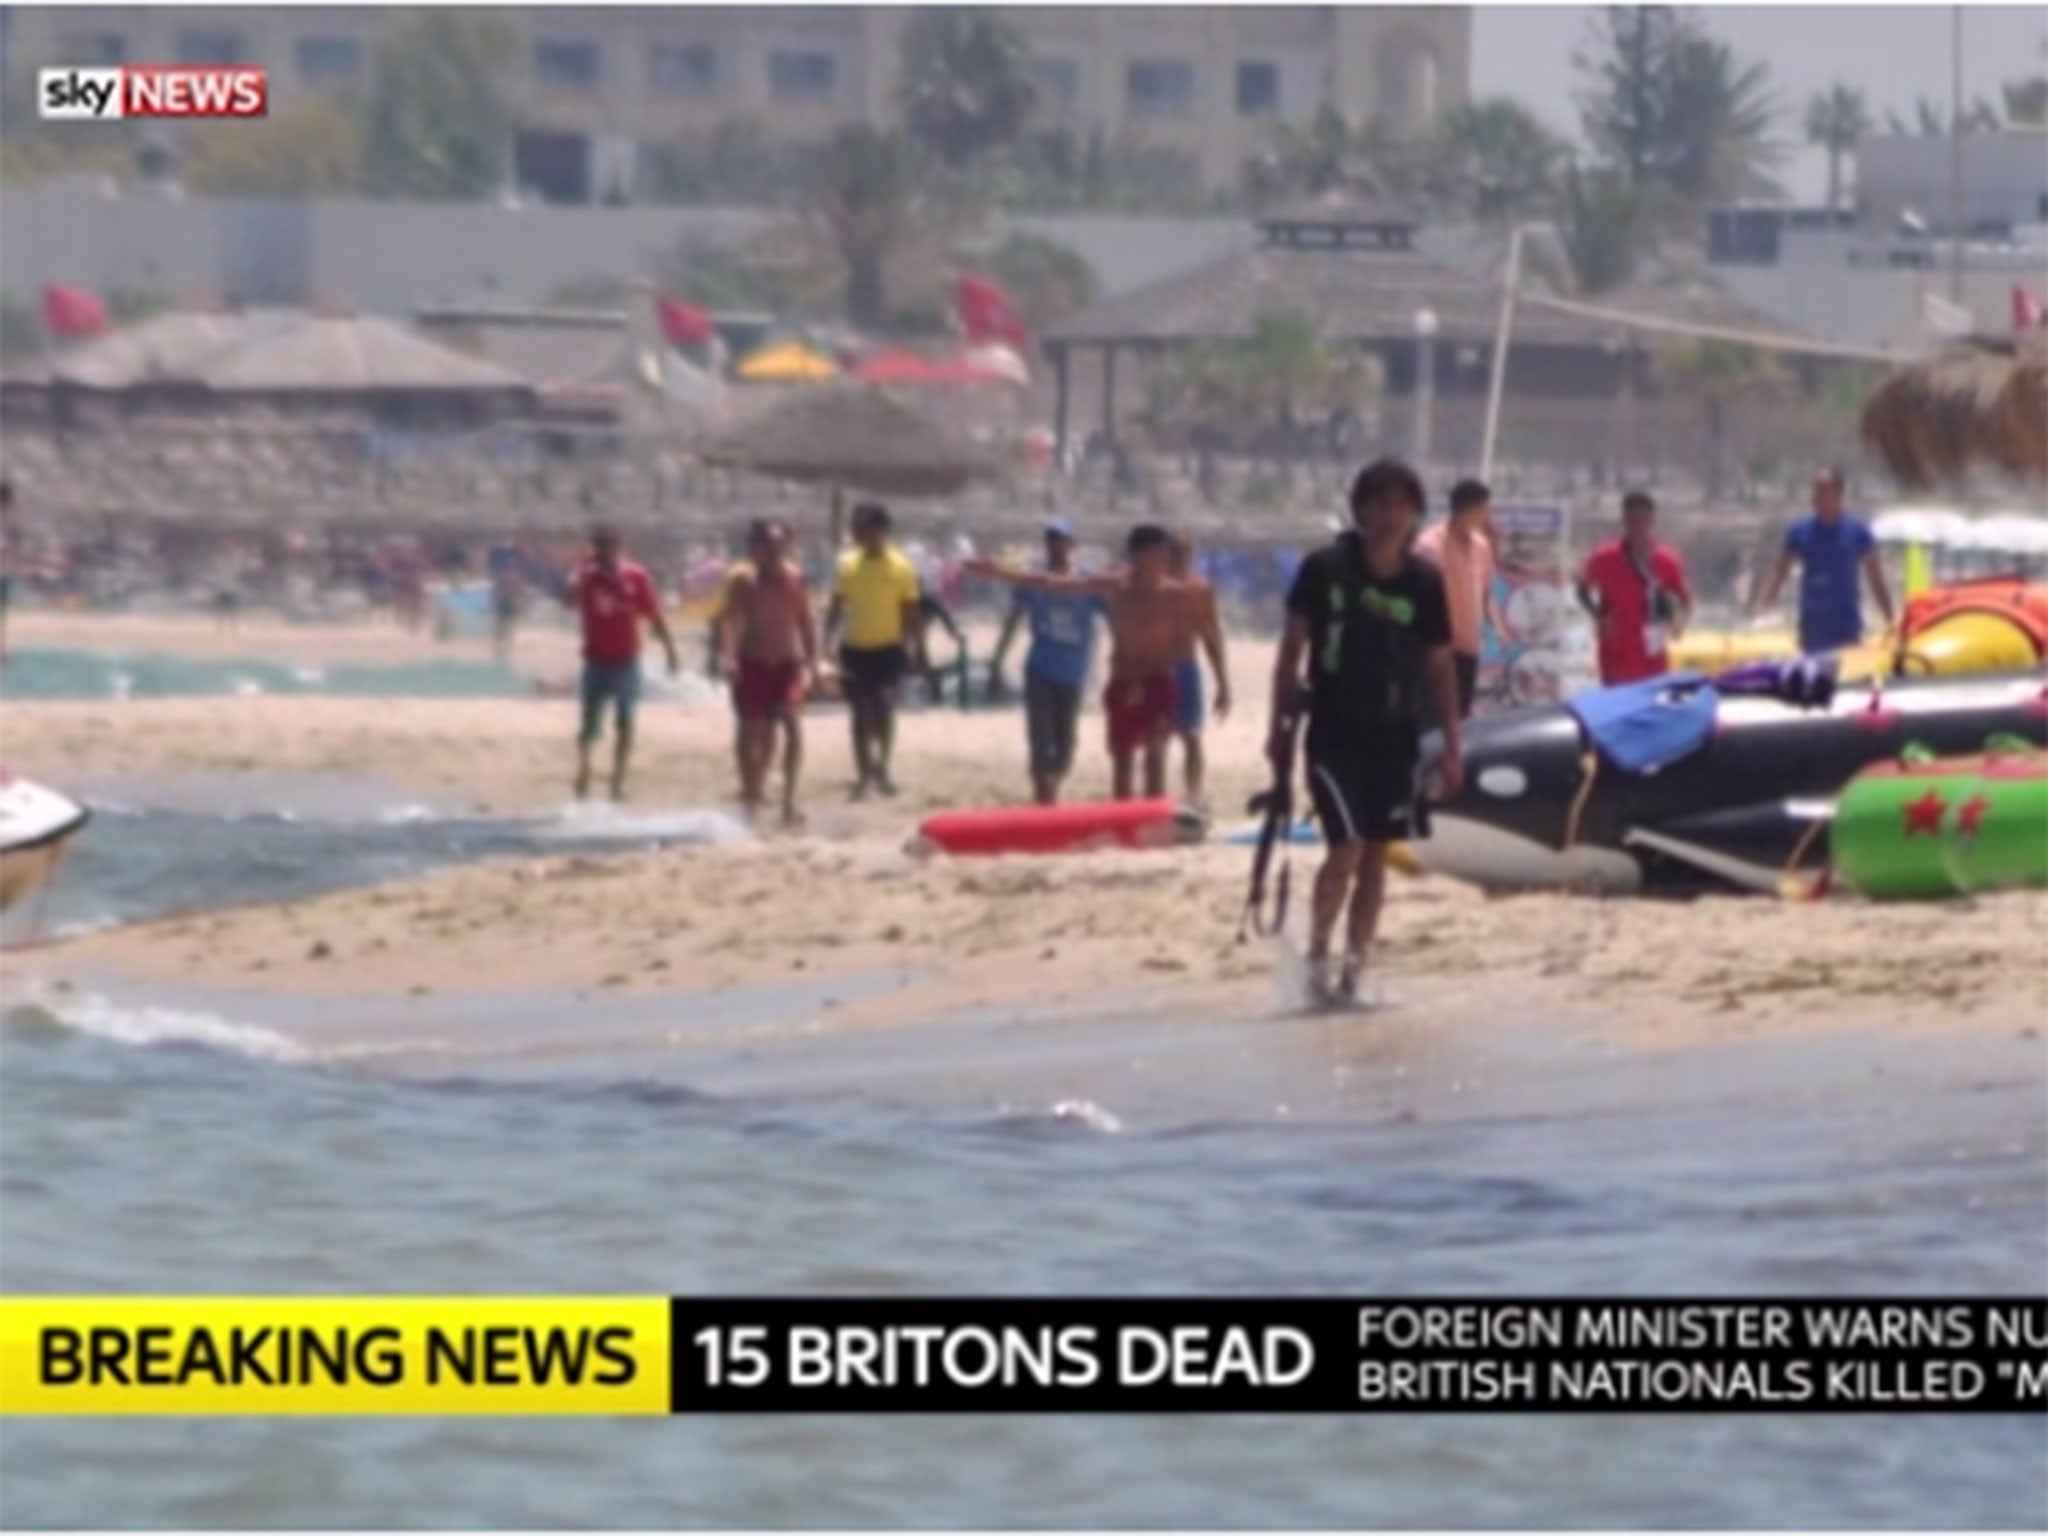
x=1836 y=120
x=967 y=82
x=1193 y=388
x=437 y=121
x=1302 y=160
x=1238 y=389
x=1721 y=117
x=2026 y=102
x=1623 y=61
x=1503 y=161
x=865 y=193
x=1048 y=280
x=1712 y=376
x=1605 y=227
x=1283 y=363
x=1931 y=119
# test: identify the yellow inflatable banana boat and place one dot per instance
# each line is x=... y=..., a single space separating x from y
x=1993 y=624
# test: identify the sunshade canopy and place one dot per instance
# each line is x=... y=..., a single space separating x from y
x=1979 y=406
x=898 y=365
x=274 y=351
x=852 y=435
x=787 y=362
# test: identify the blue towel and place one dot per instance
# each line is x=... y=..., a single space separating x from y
x=1641 y=727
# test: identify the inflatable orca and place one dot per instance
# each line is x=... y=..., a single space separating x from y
x=1678 y=786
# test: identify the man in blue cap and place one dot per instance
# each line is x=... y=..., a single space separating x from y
x=1056 y=667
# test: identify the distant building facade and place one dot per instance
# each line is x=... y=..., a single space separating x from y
x=1906 y=178
x=595 y=85
x=1879 y=273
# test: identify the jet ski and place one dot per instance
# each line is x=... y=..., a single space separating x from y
x=35 y=825
x=1686 y=784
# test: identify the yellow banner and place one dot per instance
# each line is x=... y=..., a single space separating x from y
x=334 y=1355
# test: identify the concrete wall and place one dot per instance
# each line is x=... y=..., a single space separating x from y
x=1815 y=288
x=2005 y=178
x=390 y=257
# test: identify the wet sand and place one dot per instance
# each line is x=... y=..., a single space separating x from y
x=1154 y=931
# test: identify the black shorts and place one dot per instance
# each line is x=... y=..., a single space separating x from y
x=874 y=670
x=1367 y=790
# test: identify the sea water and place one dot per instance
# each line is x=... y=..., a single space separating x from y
x=168 y=1142
x=43 y=673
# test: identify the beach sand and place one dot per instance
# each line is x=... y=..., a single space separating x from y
x=1143 y=933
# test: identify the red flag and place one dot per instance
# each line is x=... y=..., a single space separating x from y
x=986 y=313
x=685 y=325
x=2026 y=309
x=70 y=312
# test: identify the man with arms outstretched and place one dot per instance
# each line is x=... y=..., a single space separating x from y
x=1055 y=668
x=1152 y=620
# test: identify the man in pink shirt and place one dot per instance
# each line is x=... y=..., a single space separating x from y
x=1462 y=548
x=613 y=595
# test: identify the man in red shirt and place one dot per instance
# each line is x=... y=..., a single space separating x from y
x=1635 y=590
x=613 y=595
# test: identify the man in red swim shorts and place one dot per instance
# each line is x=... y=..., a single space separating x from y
x=1140 y=712
x=767 y=625
x=1152 y=625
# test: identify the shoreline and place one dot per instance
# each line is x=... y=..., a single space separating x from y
x=1117 y=933
x=1128 y=934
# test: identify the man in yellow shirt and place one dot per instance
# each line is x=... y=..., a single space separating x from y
x=874 y=617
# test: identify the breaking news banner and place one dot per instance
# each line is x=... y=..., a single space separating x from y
x=622 y=1355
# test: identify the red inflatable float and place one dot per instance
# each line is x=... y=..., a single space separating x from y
x=1064 y=828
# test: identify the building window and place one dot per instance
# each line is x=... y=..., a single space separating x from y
x=683 y=69
x=1258 y=89
x=801 y=76
x=210 y=47
x=568 y=66
x=328 y=60
x=93 y=48
x=1160 y=87
x=1059 y=83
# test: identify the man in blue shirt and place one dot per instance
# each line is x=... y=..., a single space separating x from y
x=1056 y=667
x=1832 y=548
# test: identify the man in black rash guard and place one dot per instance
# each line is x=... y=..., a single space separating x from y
x=1370 y=621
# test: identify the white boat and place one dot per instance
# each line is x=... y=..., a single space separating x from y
x=35 y=824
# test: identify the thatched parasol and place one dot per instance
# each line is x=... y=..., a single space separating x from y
x=850 y=436
x=1981 y=405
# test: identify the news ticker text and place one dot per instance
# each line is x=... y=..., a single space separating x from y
x=264 y=1355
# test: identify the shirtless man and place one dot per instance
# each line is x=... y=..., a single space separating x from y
x=1152 y=625
x=765 y=623
x=1188 y=713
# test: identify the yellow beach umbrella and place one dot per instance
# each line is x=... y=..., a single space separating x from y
x=787 y=362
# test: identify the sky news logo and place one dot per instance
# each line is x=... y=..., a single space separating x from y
x=103 y=94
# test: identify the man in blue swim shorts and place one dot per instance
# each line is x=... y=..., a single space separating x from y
x=1189 y=715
